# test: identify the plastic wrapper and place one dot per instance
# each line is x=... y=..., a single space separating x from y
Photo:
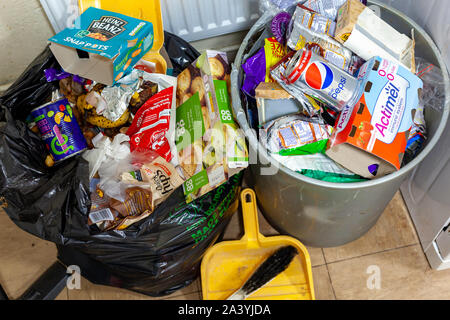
x=311 y=23
x=53 y=74
x=280 y=25
x=153 y=170
x=274 y=52
x=180 y=52
x=328 y=8
x=433 y=93
x=332 y=177
x=257 y=68
x=153 y=126
x=106 y=151
x=417 y=136
x=110 y=214
x=155 y=256
x=312 y=162
x=129 y=190
x=255 y=72
x=270 y=5
x=305 y=35
x=296 y=135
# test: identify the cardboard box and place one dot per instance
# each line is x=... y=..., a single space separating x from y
x=104 y=46
x=274 y=102
x=371 y=134
x=346 y=19
x=210 y=147
x=368 y=36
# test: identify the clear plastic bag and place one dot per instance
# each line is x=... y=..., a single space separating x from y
x=433 y=93
x=270 y=5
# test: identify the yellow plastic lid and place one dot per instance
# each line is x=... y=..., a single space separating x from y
x=148 y=10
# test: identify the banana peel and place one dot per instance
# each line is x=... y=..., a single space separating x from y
x=98 y=120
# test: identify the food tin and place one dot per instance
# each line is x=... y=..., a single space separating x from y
x=59 y=129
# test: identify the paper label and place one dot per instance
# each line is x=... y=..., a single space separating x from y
x=101 y=215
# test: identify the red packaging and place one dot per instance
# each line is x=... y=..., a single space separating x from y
x=151 y=125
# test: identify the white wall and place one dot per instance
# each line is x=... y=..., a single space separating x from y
x=24 y=30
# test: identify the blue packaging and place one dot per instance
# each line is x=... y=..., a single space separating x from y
x=103 y=46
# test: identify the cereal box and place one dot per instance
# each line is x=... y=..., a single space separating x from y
x=371 y=134
x=103 y=46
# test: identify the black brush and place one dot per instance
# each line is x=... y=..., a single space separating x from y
x=269 y=269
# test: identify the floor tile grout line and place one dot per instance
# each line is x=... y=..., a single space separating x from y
x=369 y=254
x=331 y=282
x=323 y=254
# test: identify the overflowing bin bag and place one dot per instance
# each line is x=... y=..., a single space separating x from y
x=156 y=255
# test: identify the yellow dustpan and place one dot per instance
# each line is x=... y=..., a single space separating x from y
x=148 y=10
x=227 y=265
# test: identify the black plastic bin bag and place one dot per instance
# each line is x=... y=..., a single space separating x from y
x=155 y=256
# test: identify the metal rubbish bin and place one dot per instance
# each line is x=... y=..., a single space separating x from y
x=324 y=214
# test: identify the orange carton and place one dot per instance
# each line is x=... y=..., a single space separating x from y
x=371 y=134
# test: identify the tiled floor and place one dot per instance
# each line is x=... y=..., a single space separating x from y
x=390 y=250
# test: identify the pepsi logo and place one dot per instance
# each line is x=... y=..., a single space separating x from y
x=319 y=76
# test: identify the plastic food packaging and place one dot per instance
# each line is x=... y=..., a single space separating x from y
x=153 y=126
x=110 y=214
x=313 y=162
x=274 y=52
x=280 y=25
x=433 y=93
x=301 y=36
x=270 y=5
x=148 y=184
x=296 y=135
x=328 y=8
x=105 y=151
x=309 y=23
x=417 y=136
x=332 y=177
x=180 y=52
x=153 y=170
x=255 y=72
x=210 y=147
x=329 y=49
x=257 y=67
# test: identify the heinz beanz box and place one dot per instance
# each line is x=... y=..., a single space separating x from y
x=103 y=46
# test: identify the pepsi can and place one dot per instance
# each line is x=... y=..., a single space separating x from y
x=320 y=79
x=59 y=129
